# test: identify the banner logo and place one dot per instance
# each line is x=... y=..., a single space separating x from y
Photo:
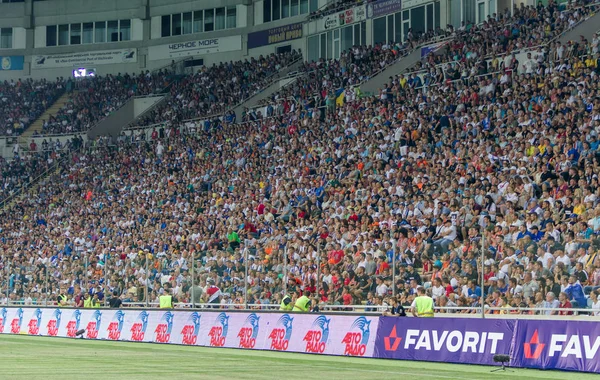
x=163 y=329
x=316 y=337
x=54 y=323
x=249 y=332
x=392 y=341
x=93 y=325
x=356 y=341
x=533 y=349
x=73 y=324
x=116 y=326
x=218 y=333
x=3 y=313
x=281 y=334
x=191 y=329
x=33 y=328
x=138 y=329
x=15 y=325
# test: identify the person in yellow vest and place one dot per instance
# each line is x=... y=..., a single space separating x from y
x=286 y=303
x=303 y=303
x=87 y=302
x=422 y=306
x=62 y=299
x=166 y=300
x=91 y=301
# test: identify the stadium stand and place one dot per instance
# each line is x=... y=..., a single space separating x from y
x=21 y=102
x=340 y=195
x=217 y=89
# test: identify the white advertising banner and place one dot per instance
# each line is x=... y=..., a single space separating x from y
x=310 y=333
x=349 y=16
x=195 y=47
x=102 y=57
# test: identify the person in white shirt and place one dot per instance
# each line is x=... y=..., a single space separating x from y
x=437 y=290
x=594 y=298
x=448 y=234
x=382 y=288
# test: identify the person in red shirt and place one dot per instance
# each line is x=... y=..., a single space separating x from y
x=382 y=265
x=564 y=304
x=346 y=296
x=335 y=256
x=260 y=209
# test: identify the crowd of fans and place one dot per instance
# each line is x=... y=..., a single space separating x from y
x=359 y=202
x=216 y=89
x=25 y=168
x=23 y=101
x=95 y=98
x=501 y=35
x=317 y=82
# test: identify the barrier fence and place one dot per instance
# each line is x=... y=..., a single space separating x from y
x=543 y=344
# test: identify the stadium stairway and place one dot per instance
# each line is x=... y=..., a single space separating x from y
x=285 y=77
x=373 y=85
x=587 y=28
x=37 y=125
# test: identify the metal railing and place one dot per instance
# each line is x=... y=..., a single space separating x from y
x=365 y=309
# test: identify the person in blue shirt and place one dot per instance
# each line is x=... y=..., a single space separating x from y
x=536 y=234
x=523 y=232
x=474 y=290
x=575 y=292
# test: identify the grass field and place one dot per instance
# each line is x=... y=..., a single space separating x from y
x=23 y=357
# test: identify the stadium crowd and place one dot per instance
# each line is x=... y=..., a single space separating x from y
x=216 y=89
x=499 y=38
x=95 y=98
x=360 y=201
x=317 y=82
x=23 y=101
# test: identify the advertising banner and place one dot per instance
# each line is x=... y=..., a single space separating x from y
x=102 y=57
x=565 y=345
x=317 y=334
x=346 y=17
x=452 y=340
x=13 y=62
x=195 y=47
x=383 y=7
x=562 y=345
x=275 y=35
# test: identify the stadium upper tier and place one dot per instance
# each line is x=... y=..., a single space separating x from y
x=359 y=190
x=22 y=102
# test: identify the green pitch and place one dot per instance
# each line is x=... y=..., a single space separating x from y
x=23 y=357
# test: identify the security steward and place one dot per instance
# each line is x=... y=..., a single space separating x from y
x=286 y=303
x=422 y=306
x=62 y=299
x=303 y=303
x=88 y=303
x=91 y=301
x=166 y=300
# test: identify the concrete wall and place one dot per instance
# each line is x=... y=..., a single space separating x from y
x=377 y=82
x=113 y=124
x=586 y=29
x=140 y=105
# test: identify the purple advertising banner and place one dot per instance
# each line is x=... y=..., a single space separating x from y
x=565 y=345
x=451 y=340
x=383 y=7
